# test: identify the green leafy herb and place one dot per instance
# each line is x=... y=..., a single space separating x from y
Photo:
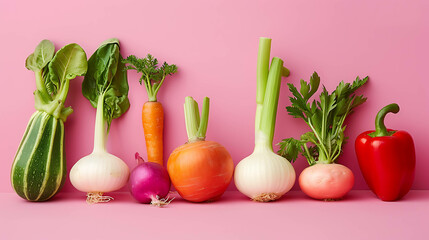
x=324 y=117
x=152 y=75
x=107 y=79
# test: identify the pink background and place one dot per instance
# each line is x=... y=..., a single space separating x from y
x=214 y=44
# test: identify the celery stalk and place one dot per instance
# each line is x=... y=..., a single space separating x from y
x=196 y=128
x=261 y=77
x=269 y=109
x=202 y=129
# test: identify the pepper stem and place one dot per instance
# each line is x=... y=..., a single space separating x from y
x=380 y=128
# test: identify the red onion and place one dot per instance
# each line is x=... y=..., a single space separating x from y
x=149 y=183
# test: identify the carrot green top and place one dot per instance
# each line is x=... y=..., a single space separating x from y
x=152 y=75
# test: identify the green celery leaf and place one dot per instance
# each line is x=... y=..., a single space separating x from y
x=295 y=112
x=327 y=105
x=295 y=93
x=305 y=88
x=309 y=137
x=325 y=117
x=342 y=106
x=327 y=102
x=342 y=90
x=302 y=106
x=290 y=148
x=314 y=83
x=358 y=100
x=311 y=155
x=358 y=83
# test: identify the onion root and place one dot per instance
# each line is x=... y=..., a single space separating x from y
x=266 y=197
x=157 y=202
x=97 y=197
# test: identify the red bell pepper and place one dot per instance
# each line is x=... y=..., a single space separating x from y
x=386 y=158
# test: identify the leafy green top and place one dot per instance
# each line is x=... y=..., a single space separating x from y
x=324 y=117
x=107 y=79
x=152 y=75
x=53 y=74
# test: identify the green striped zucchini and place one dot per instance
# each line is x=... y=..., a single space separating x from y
x=39 y=168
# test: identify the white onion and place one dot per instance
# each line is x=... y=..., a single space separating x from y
x=99 y=172
x=264 y=176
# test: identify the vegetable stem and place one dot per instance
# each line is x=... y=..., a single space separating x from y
x=380 y=128
x=337 y=152
x=157 y=87
x=54 y=107
x=41 y=86
x=64 y=91
x=196 y=128
x=269 y=109
x=191 y=117
x=150 y=94
x=321 y=145
x=261 y=77
x=100 y=126
x=323 y=158
x=202 y=129
x=310 y=159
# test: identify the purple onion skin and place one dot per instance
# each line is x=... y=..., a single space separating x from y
x=149 y=180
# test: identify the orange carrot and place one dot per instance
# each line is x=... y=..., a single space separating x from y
x=153 y=126
x=152 y=112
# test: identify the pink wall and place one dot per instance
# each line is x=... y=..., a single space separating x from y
x=214 y=44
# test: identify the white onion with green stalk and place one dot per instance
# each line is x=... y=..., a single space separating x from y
x=265 y=176
x=105 y=85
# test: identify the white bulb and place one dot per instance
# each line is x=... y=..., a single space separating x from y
x=264 y=175
x=99 y=172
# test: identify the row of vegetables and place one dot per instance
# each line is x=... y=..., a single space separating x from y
x=200 y=170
